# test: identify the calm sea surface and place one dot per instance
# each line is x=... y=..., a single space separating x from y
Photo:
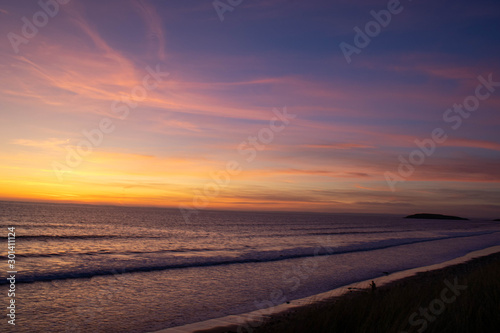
x=87 y=268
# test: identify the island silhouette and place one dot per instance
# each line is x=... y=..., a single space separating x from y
x=427 y=216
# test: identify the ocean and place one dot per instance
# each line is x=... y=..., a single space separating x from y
x=87 y=268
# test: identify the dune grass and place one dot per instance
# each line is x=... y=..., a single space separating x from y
x=388 y=309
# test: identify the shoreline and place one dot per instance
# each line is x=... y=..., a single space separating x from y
x=255 y=318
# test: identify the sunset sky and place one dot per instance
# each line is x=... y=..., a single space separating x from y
x=351 y=121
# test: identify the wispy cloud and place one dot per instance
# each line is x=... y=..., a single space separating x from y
x=50 y=144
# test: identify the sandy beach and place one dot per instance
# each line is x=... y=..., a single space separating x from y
x=289 y=317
